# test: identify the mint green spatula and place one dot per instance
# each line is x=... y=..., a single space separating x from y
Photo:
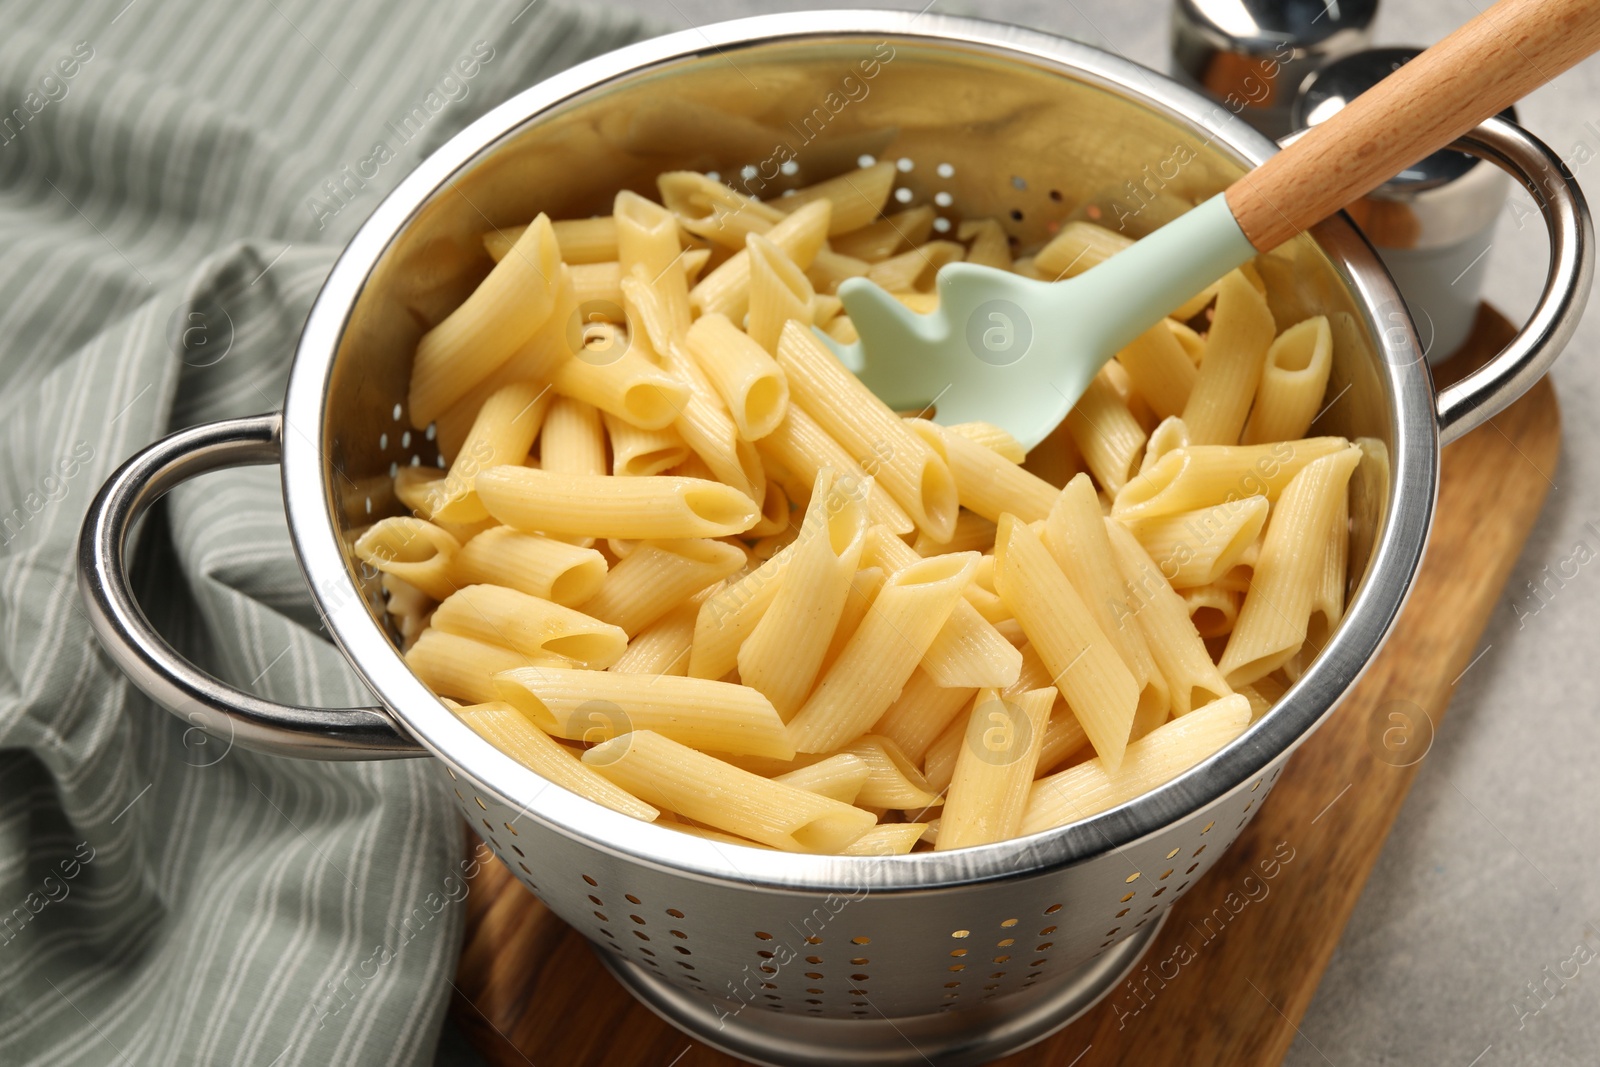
x=1019 y=352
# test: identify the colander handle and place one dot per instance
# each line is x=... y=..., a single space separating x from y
x=1487 y=391
x=230 y=715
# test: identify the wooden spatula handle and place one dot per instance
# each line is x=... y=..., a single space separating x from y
x=1482 y=68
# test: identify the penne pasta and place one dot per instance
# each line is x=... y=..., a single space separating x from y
x=994 y=768
x=1272 y=623
x=990 y=246
x=779 y=291
x=677 y=778
x=648 y=240
x=551 y=570
x=1106 y=434
x=412 y=550
x=538 y=629
x=600 y=505
x=459 y=667
x=597 y=289
x=986 y=482
x=592 y=240
x=1160 y=370
x=508 y=730
x=889 y=839
x=638 y=453
x=1090 y=788
x=802 y=447
x=864 y=590
x=744 y=375
x=916 y=268
x=892 y=782
x=476 y=338
x=878 y=660
x=879 y=240
x=1192 y=678
x=1292 y=383
x=1213 y=609
x=992 y=437
x=595 y=706
x=573 y=440
x=663 y=646
x=857 y=197
x=1084 y=665
x=1236 y=348
x=657 y=576
x=921 y=712
x=912 y=472
x=1200 y=476
x=1169 y=436
x=973 y=533
x=783 y=654
x=839 y=777
x=726 y=290
x=626 y=385
x=1195 y=548
x=1327 y=595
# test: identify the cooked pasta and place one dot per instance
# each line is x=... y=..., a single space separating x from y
x=675 y=558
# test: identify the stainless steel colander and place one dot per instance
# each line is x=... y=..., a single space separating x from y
x=953 y=958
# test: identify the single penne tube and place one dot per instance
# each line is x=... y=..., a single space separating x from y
x=503 y=432
x=729 y=615
x=1181 y=656
x=1213 y=610
x=913 y=473
x=706 y=833
x=1108 y=437
x=801 y=446
x=712 y=210
x=1160 y=370
x=657 y=576
x=1056 y=458
x=799 y=236
x=539 y=566
x=1084 y=665
x=597 y=289
x=939 y=765
x=994 y=768
x=694 y=261
x=779 y=291
x=967 y=650
x=990 y=246
x=995 y=438
x=415 y=551
x=627 y=385
x=1169 y=436
x=986 y=482
x=887 y=236
x=638 y=453
x=857 y=196
x=973 y=533
x=499 y=317
x=915 y=269
x=1293 y=382
x=702 y=421
x=893 y=781
x=462 y=668
x=1063 y=738
x=536 y=360
x=409 y=607
x=1327 y=596
x=1202 y=475
x=873 y=667
x=746 y=378
x=601 y=505
x=783 y=654
x=592 y=240
x=775 y=513
x=1272 y=623
x=504 y=727
x=1077 y=247
x=844 y=331
x=1162 y=755
x=677 y=778
x=663 y=646
x=1195 y=548
x=536 y=628
x=647 y=235
x=829 y=270
x=981 y=595
x=888 y=839
x=1075 y=536
x=595 y=706
x=864 y=589
x=1236 y=349
x=573 y=440
x=839 y=777
x=920 y=714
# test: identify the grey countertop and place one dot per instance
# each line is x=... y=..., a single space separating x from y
x=1488 y=877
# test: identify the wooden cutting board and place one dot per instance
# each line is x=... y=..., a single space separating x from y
x=529 y=991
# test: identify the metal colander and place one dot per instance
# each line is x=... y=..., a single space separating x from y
x=950 y=957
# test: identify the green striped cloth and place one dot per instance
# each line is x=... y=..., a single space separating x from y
x=176 y=178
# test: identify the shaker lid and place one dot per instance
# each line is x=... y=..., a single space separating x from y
x=1333 y=86
x=1253 y=54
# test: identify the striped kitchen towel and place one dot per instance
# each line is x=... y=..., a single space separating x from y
x=176 y=178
